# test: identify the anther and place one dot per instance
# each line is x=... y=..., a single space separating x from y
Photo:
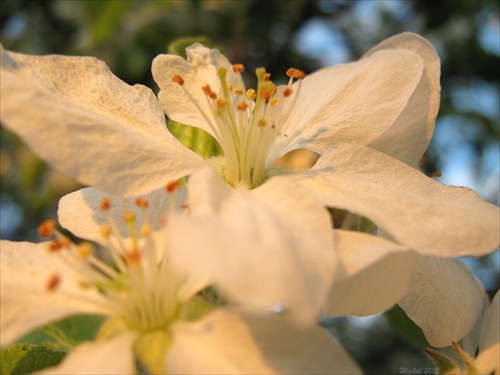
x=145 y=230
x=437 y=174
x=287 y=92
x=178 y=79
x=267 y=76
x=85 y=249
x=53 y=282
x=262 y=123
x=129 y=217
x=251 y=94
x=105 y=204
x=265 y=94
x=242 y=106
x=295 y=73
x=273 y=101
x=238 y=68
x=172 y=187
x=46 y=228
x=133 y=257
x=220 y=103
x=105 y=231
x=141 y=202
x=238 y=90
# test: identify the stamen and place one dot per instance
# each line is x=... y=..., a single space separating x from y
x=287 y=92
x=53 y=282
x=178 y=79
x=220 y=103
x=238 y=68
x=145 y=230
x=105 y=204
x=262 y=123
x=251 y=94
x=242 y=106
x=172 y=187
x=295 y=73
x=141 y=202
x=85 y=250
x=46 y=228
x=105 y=231
x=238 y=90
x=267 y=76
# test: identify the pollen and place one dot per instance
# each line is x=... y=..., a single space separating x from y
x=238 y=90
x=105 y=204
x=53 y=282
x=238 y=68
x=178 y=79
x=141 y=202
x=46 y=228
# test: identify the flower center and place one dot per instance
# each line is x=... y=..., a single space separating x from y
x=245 y=124
x=141 y=287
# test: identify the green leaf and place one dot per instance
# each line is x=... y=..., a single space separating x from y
x=25 y=358
x=195 y=139
x=66 y=333
x=403 y=325
x=105 y=18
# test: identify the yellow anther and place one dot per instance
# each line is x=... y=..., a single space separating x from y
x=229 y=87
x=178 y=79
x=238 y=90
x=141 y=202
x=251 y=94
x=238 y=68
x=242 y=106
x=85 y=249
x=262 y=123
x=145 y=230
x=273 y=102
x=46 y=228
x=105 y=231
x=220 y=103
x=105 y=204
x=287 y=92
x=295 y=73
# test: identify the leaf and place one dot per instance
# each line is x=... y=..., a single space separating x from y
x=403 y=325
x=25 y=358
x=195 y=139
x=66 y=333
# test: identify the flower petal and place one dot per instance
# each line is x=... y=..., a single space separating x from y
x=238 y=342
x=80 y=212
x=74 y=113
x=352 y=103
x=444 y=300
x=284 y=239
x=408 y=137
x=488 y=360
x=376 y=274
x=114 y=356
x=416 y=211
x=199 y=70
x=27 y=302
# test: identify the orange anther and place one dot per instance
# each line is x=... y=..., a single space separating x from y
x=178 y=79
x=437 y=174
x=220 y=103
x=265 y=94
x=105 y=204
x=133 y=257
x=46 y=228
x=238 y=68
x=85 y=249
x=172 y=187
x=129 y=217
x=267 y=76
x=287 y=92
x=295 y=73
x=141 y=202
x=53 y=282
x=242 y=106
x=55 y=246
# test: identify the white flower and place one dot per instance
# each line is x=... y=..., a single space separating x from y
x=151 y=303
x=77 y=115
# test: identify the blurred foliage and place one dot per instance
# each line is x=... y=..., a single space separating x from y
x=128 y=34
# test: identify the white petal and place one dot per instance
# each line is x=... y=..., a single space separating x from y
x=416 y=211
x=74 y=113
x=80 y=213
x=199 y=70
x=228 y=342
x=259 y=247
x=444 y=299
x=410 y=134
x=352 y=103
x=376 y=274
x=114 y=356
x=26 y=302
x=488 y=359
